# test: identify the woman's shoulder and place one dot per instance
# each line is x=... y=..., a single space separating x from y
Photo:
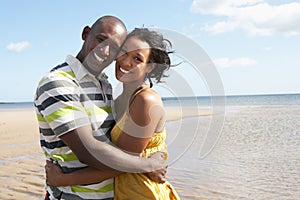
x=148 y=96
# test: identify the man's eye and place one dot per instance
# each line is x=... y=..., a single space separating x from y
x=100 y=40
x=113 y=49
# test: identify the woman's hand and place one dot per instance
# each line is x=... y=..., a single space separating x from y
x=54 y=174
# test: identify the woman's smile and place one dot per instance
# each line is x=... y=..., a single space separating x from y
x=125 y=71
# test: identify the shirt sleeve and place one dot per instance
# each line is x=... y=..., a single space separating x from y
x=58 y=101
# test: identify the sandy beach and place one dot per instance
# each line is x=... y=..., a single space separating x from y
x=256 y=157
x=21 y=158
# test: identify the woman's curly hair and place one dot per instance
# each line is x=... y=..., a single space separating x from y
x=159 y=54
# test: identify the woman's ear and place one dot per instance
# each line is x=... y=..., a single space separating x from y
x=150 y=67
x=85 y=32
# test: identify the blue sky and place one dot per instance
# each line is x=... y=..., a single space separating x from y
x=254 y=44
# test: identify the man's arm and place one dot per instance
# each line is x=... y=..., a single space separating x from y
x=101 y=155
x=88 y=175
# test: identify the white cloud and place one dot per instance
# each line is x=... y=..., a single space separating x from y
x=237 y=62
x=256 y=17
x=18 y=47
x=268 y=48
x=220 y=27
x=220 y=7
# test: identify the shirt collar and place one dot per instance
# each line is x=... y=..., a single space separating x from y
x=79 y=70
x=77 y=67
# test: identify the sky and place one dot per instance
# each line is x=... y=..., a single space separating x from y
x=253 y=44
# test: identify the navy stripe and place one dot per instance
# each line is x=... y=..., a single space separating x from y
x=95 y=96
x=39 y=107
x=65 y=98
x=59 y=66
x=52 y=145
x=54 y=84
x=109 y=96
x=89 y=84
x=66 y=127
x=47 y=132
x=67 y=170
x=108 y=123
x=108 y=135
x=84 y=97
x=99 y=97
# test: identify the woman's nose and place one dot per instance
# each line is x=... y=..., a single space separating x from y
x=125 y=60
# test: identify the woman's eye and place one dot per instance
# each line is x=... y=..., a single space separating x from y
x=138 y=59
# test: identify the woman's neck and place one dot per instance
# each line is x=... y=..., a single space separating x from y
x=130 y=88
x=121 y=103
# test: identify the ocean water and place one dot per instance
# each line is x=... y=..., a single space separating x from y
x=234 y=100
x=201 y=101
x=15 y=105
x=255 y=153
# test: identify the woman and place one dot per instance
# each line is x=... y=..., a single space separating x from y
x=140 y=115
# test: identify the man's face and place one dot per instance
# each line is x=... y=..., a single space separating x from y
x=102 y=45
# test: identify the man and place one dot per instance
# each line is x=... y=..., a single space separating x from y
x=73 y=105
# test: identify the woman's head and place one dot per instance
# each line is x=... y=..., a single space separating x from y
x=153 y=51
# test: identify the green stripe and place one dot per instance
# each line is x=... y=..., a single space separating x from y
x=106 y=188
x=62 y=112
x=63 y=157
x=41 y=81
x=107 y=109
x=97 y=111
x=71 y=73
x=40 y=118
x=66 y=74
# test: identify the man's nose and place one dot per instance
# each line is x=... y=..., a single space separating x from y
x=105 y=50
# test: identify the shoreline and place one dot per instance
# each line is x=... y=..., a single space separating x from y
x=21 y=158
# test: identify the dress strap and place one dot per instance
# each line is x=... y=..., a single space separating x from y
x=135 y=93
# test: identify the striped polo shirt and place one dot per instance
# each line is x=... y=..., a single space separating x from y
x=66 y=98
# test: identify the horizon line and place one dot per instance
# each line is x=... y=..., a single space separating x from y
x=168 y=97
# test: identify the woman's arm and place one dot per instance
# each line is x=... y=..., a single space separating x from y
x=88 y=175
x=146 y=114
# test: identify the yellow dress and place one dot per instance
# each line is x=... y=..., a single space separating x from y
x=137 y=186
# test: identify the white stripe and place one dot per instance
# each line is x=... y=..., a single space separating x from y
x=67 y=118
x=44 y=125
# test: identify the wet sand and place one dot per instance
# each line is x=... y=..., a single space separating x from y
x=21 y=158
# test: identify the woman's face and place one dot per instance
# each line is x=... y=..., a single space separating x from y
x=132 y=61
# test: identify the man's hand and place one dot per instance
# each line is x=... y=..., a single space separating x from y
x=160 y=174
x=53 y=174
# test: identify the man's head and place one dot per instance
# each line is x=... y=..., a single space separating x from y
x=101 y=43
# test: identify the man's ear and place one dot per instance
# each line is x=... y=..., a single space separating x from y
x=85 y=32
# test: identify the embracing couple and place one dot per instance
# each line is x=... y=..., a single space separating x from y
x=97 y=147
